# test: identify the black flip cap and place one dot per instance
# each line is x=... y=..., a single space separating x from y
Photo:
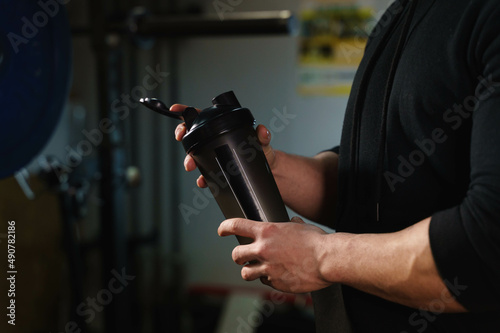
x=226 y=115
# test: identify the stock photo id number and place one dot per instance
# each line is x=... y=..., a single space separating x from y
x=11 y=272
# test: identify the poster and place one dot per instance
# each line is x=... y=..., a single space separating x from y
x=332 y=42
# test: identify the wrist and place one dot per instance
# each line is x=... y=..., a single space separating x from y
x=333 y=257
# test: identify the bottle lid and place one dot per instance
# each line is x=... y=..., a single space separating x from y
x=225 y=115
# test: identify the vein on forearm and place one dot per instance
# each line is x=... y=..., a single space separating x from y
x=398 y=266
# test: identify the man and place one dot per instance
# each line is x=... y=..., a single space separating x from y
x=416 y=180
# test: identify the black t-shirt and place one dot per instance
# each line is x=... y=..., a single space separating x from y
x=440 y=158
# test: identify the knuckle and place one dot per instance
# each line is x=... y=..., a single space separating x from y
x=234 y=223
x=266 y=270
x=268 y=229
x=261 y=251
x=230 y=225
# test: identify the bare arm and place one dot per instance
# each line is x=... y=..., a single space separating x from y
x=308 y=185
x=397 y=266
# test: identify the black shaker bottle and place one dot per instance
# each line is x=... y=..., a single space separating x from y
x=225 y=147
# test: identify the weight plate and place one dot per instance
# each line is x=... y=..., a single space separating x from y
x=35 y=75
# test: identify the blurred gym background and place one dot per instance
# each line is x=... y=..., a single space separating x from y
x=112 y=235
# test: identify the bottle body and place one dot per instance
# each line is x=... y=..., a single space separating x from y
x=239 y=177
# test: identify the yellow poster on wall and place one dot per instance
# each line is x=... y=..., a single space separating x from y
x=332 y=43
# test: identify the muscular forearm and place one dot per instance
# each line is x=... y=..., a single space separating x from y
x=308 y=185
x=398 y=267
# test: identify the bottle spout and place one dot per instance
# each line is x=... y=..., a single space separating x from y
x=158 y=106
x=188 y=115
x=227 y=98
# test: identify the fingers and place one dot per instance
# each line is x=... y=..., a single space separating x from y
x=240 y=227
x=263 y=135
x=201 y=182
x=253 y=271
x=189 y=163
x=180 y=131
x=180 y=108
x=244 y=254
x=256 y=271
